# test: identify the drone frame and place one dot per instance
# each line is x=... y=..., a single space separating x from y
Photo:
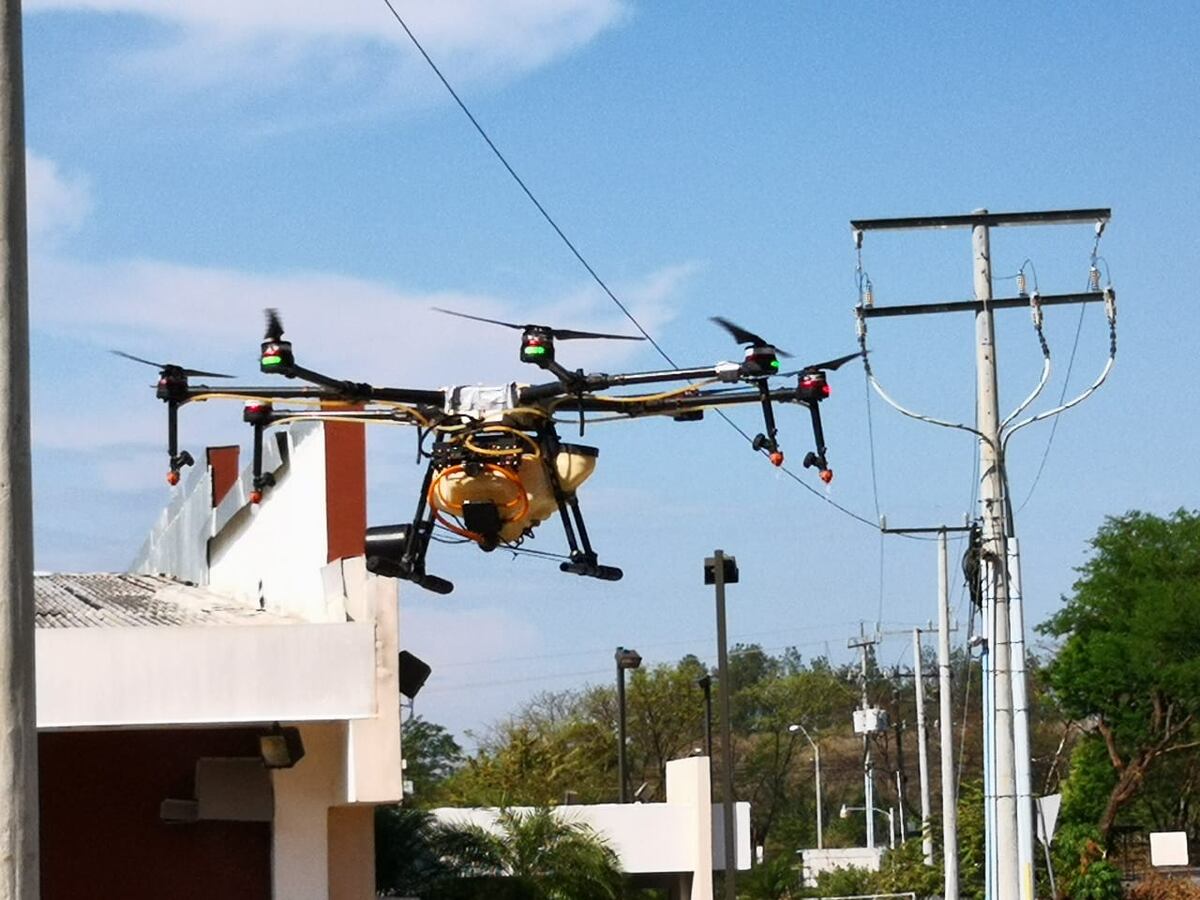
x=400 y=550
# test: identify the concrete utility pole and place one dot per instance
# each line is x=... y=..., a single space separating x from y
x=1007 y=876
x=1025 y=802
x=18 y=710
x=946 y=727
x=719 y=569
x=994 y=549
x=922 y=749
x=863 y=644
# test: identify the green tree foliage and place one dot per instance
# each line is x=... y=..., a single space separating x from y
x=1129 y=664
x=531 y=855
x=431 y=755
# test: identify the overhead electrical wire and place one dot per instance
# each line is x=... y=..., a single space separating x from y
x=583 y=261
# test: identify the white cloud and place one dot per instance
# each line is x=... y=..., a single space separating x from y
x=365 y=329
x=57 y=203
x=482 y=37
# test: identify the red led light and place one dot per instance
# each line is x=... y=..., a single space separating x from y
x=826 y=390
x=172 y=478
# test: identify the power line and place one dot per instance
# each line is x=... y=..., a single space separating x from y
x=525 y=188
x=580 y=257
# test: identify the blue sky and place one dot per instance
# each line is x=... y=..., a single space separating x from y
x=192 y=163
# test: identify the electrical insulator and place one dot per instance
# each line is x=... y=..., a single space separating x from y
x=1094 y=278
x=1021 y=284
x=1035 y=305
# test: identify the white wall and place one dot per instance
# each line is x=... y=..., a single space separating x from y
x=275 y=550
x=175 y=675
x=681 y=835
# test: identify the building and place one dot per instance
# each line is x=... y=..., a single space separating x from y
x=156 y=690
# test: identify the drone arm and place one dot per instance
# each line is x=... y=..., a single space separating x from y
x=602 y=382
x=767 y=440
x=817 y=458
x=177 y=460
x=669 y=406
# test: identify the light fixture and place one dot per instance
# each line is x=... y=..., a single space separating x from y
x=413 y=674
x=281 y=748
x=628 y=659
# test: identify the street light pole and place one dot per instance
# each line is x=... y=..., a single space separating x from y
x=626 y=659
x=705 y=684
x=817 y=777
x=720 y=569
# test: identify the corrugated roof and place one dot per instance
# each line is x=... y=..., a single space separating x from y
x=97 y=599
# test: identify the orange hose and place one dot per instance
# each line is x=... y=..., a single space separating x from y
x=521 y=500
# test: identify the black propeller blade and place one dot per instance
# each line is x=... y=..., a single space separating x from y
x=560 y=334
x=164 y=366
x=274 y=325
x=831 y=365
x=742 y=336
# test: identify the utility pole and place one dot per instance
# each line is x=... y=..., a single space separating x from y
x=945 y=714
x=1006 y=878
x=995 y=554
x=946 y=727
x=922 y=749
x=18 y=709
x=719 y=570
x=863 y=644
x=1025 y=801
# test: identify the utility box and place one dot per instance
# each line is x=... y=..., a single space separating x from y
x=870 y=721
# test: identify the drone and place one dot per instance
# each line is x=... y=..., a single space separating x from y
x=496 y=466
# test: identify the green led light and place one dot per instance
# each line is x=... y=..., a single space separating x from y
x=535 y=351
x=774 y=364
x=272 y=360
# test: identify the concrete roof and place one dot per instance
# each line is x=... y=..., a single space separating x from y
x=99 y=599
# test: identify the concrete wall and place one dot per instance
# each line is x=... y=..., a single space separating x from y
x=206 y=674
x=680 y=836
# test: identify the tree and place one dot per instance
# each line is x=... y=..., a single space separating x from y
x=1129 y=664
x=431 y=755
x=533 y=855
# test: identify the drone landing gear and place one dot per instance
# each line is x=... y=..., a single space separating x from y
x=398 y=551
x=583 y=559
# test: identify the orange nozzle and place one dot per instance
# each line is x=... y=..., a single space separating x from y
x=776 y=458
x=827 y=475
x=256 y=497
x=172 y=478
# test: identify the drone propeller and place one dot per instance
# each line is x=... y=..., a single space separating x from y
x=164 y=367
x=831 y=365
x=742 y=336
x=274 y=330
x=561 y=334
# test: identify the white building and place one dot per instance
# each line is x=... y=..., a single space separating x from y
x=153 y=694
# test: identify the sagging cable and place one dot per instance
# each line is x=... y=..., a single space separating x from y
x=1110 y=309
x=874 y=382
x=1035 y=308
